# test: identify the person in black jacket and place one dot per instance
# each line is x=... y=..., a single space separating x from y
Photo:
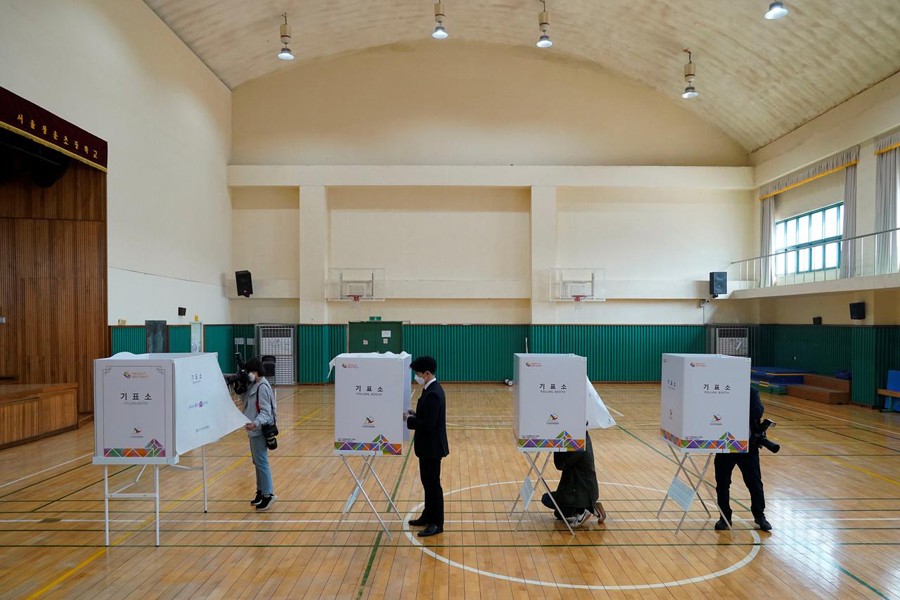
x=578 y=492
x=429 y=421
x=748 y=463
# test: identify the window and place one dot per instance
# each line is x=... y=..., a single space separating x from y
x=809 y=242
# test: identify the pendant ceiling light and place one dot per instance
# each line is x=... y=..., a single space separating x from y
x=285 y=52
x=439 y=32
x=776 y=10
x=690 y=72
x=544 y=23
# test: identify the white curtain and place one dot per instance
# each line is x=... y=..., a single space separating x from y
x=887 y=191
x=848 y=248
x=767 y=226
x=831 y=164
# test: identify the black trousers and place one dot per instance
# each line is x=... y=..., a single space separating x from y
x=748 y=463
x=568 y=511
x=430 y=474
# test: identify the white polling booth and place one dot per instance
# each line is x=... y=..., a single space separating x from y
x=705 y=409
x=371 y=393
x=549 y=402
x=149 y=409
x=550 y=413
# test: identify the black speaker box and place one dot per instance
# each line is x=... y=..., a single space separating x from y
x=858 y=310
x=182 y=311
x=718 y=283
x=244 y=283
x=817 y=320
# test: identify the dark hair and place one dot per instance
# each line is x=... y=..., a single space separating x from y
x=424 y=363
x=255 y=365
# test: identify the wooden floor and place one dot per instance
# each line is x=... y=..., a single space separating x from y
x=833 y=496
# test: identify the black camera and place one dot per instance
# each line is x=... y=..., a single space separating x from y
x=760 y=438
x=270 y=432
x=240 y=381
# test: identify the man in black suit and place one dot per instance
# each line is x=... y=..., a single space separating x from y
x=429 y=421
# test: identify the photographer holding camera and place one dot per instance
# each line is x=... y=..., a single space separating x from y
x=259 y=408
x=748 y=463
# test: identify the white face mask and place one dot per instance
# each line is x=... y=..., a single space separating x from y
x=251 y=377
x=420 y=380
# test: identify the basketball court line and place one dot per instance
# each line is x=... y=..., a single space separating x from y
x=44 y=470
x=553 y=584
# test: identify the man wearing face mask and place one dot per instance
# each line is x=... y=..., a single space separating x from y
x=429 y=421
x=259 y=407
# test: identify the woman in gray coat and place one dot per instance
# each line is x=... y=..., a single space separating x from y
x=259 y=407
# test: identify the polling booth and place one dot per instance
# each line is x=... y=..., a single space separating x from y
x=150 y=409
x=371 y=393
x=704 y=410
x=550 y=412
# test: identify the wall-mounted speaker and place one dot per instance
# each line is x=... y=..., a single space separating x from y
x=718 y=283
x=817 y=320
x=244 y=283
x=182 y=311
x=858 y=310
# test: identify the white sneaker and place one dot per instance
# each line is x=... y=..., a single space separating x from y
x=579 y=520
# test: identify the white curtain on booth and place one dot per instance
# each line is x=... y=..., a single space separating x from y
x=887 y=192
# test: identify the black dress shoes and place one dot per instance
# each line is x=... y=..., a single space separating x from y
x=431 y=530
x=418 y=522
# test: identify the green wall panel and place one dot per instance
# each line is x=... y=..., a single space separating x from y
x=220 y=339
x=467 y=352
x=614 y=352
x=822 y=349
x=244 y=332
x=316 y=346
x=179 y=338
x=133 y=338
x=862 y=342
x=762 y=345
x=128 y=338
x=619 y=352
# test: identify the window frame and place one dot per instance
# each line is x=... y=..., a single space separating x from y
x=788 y=257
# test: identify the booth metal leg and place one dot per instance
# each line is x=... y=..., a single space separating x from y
x=368 y=463
x=701 y=481
x=540 y=476
x=106 y=501
x=531 y=467
x=156 y=499
x=360 y=487
x=203 y=467
x=694 y=488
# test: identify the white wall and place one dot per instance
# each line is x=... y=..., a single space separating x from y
x=654 y=234
x=465 y=104
x=833 y=308
x=114 y=69
x=425 y=236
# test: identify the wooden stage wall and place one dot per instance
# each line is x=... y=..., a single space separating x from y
x=53 y=280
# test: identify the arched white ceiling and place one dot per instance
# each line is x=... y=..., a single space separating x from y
x=758 y=79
